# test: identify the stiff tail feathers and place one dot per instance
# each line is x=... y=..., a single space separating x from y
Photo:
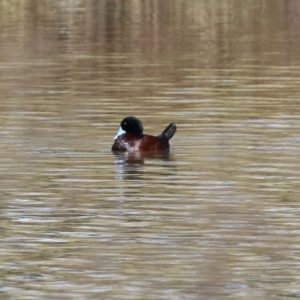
x=169 y=131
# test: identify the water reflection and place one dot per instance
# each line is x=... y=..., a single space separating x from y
x=130 y=163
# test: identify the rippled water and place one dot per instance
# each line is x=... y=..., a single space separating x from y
x=217 y=218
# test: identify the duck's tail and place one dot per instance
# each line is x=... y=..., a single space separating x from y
x=169 y=131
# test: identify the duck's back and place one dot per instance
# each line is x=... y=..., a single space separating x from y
x=130 y=143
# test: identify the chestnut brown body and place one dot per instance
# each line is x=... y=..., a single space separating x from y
x=134 y=140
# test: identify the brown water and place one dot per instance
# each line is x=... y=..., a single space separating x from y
x=218 y=218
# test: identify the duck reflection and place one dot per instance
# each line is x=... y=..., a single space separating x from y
x=131 y=164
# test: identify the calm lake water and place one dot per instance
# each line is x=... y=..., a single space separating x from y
x=217 y=218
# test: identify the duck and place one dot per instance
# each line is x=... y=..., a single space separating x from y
x=131 y=137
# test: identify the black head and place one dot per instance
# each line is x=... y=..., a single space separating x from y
x=132 y=125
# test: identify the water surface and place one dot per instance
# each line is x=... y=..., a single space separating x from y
x=217 y=218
